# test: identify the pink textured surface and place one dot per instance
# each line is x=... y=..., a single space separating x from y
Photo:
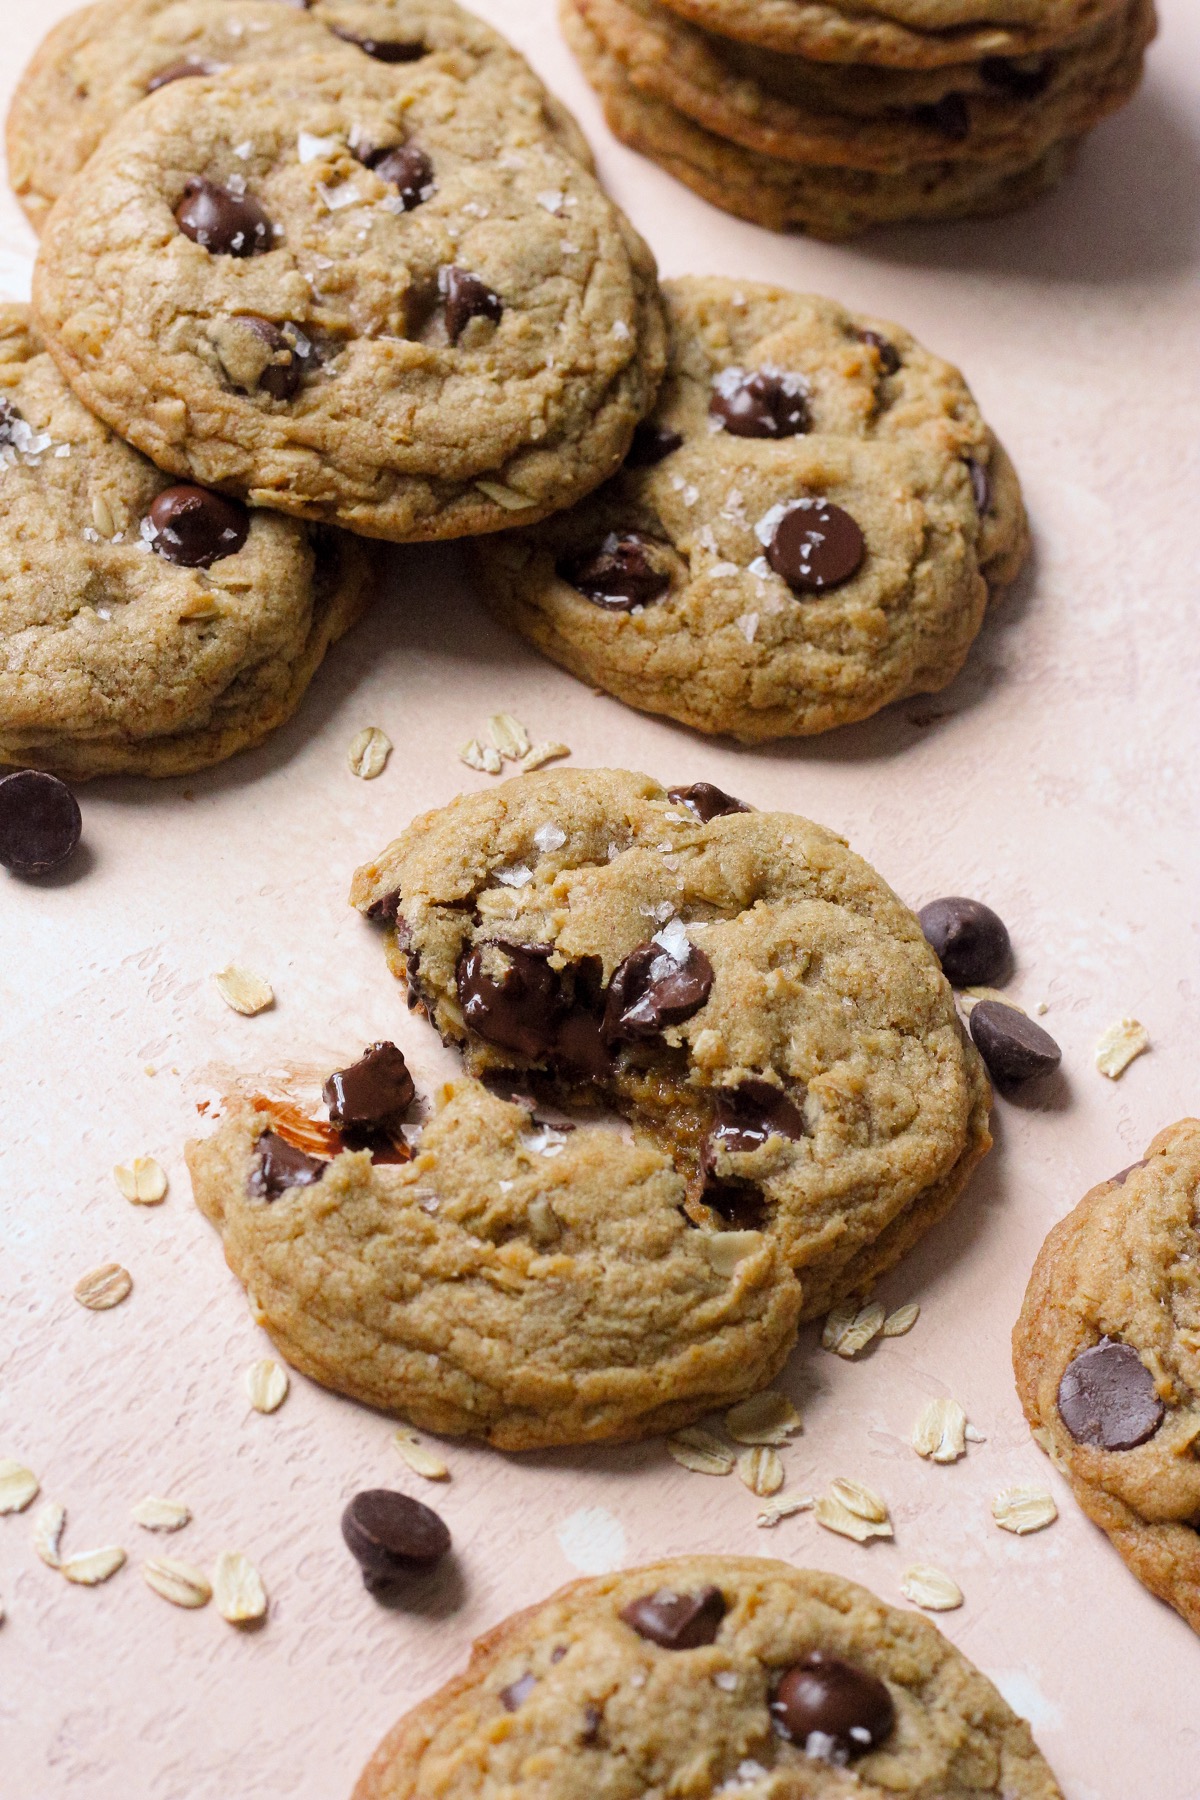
x=1056 y=779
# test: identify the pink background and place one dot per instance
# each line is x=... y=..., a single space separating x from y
x=1057 y=779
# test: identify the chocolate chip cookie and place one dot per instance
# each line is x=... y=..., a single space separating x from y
x=713 y=1675
x=740 y=985
x=147 y=626
x=524 y=1284
x=807 y=528
x=99 y=62
x=377 y=295
x=1107 y=1359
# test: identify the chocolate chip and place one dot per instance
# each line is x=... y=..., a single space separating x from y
x=386 y=909
x=392 y=1537
x=889 y=356
x=707 y=801
x=372 y=1094
x=652 y=444
x=39 y=822
x=950 y=115
x=387 y=50
x=409 y=170
x=1016 y=82
x=517 y=1691
x=580 y=1045
x=981 y=485
x=619 y=575
x=519 y=1005
x=677 y=1621
x=969 y=940
x=280 y=1166
x=184 y=70
x=466 y=297
x=655 y=988
x=225 y=223
x=282 y=376
x=1107 y=1397
x=746 y=1118
x=760 y=403
x=12 y=424
x=816 y=546
x=741 y=1204
x=839 y=1705
x=1122 y=1175
x=1012 y=1046
x=195 y=527
x=593 y=1718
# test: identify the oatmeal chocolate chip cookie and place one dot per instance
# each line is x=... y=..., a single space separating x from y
x=1107 y=1359
x=744 y=989
x=147 y=627
x=472 y=328
x=99 y=62
x=713 y=1675
x=526 y=1285
x=1012 y=116
x=807 y=528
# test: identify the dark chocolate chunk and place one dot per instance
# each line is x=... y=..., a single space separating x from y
x=12 y=424
x=225 y=223
x=1122 y=1175
x=653 y=989
x=593 y=1718
x=392 y=1538
x=40 y=823
x=282 y=376
x=466 y=297
x=981 y=485
x=195 y=527
x=517 y=1691
x=760 y=403
x=409 y=170
x=843 y=1707
x=1107 y=1397
x=386 y=909
x=706 y=801
x=580 y=1046
x=746 y=1118
x=186 y=69
x=889 y=356
x=619 y=575
x=1010 y=78
x=520 y=1006
x=950 y=115
x=652 y=444
x=386 y=50
x=816 y=546
x=371 y=1095
x=1012 y=1046
x=740 y=1204
x=279 y=1166
x=970 y=941
x=677 y=1621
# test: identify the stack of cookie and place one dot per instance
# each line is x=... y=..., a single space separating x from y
x=828 y=118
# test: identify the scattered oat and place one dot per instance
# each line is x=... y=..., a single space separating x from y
x=239 y=1591
x=143 y=1182
x=369 y=752
x=973 y=1435
x=91 y=1567
x=266 y=1385
x=1119 y=1046
x=153 y=1514
x=931 y=1588
x=477 y=756
x=849 y=1328
x=419 y=1457
x=900 y=1322
x=104 y=1287
x=940 y=1431
x=541 y=754
x=18 y=1486
x=854 y=1510
x=700 y=1451
x=509 y=736
x=766 y=1418
x=761 y=1470
x=969 y=998
x=1023 y=1509
x=726 y=1249
x=506 y=497
x=243 y=990
x=179 y=1582
x=783 y=1506
x=48 y=1526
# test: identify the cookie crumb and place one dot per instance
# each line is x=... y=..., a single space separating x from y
x=18 y=1486
x=1120 y=1045
x=244 y=991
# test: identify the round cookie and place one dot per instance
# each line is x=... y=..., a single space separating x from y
x=744 y=989
x=473 y=329
x=1107 y=1359
x=676 y=586
x=116 y=656
x=524 y=1285
x=713 y=1675
x=100 y=61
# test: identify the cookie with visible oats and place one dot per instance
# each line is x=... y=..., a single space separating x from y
x=381 y=296
x=741 y=986
x=512 y=1282
x=146 y=627
x=807 y=529
x=1107 y=1359
x=712 y=1675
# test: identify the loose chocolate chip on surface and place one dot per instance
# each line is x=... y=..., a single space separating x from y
x=1107 y=1397
x=282 y=376
x=969 y=940
x=387 y=50
x=1122 y=1175
x=651 y=444
x=816 y=546
x=656 y=986
x=760 y=403
x=677 y=1621
x=747 y=1117
x=707 y=801
x=406 y=168
x=841 y=1706
x=186 y=69
x=519 y=1006
x=889 y=356
x=195 y=527
x=1018 y=83
x=981 y=485
x=40 y=823
x=517 y=1691
x=619 y=575
x=280 y=1166
x=372 y=1093
x=466 y=297
x=221 y=221
x=950 y=115
x=392 y=1537
x=1012 y=1046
